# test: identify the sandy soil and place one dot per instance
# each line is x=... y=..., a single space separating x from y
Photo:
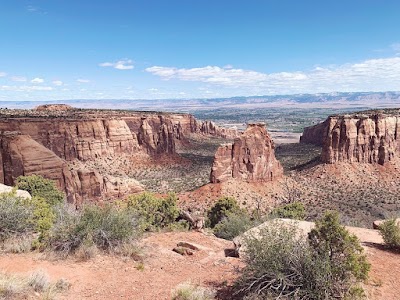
x=107 y=277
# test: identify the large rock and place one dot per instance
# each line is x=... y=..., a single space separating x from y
x=20 y=193
x=364 y=138
x=250 y=158
x=302 y=228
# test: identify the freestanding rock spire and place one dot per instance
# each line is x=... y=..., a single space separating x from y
x=250 y=158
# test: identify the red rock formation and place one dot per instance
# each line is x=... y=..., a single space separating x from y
x=63 y=137
x=314 y=134
x=21 y=155
x=250 y=158
x=364 y=138
x=186 y=124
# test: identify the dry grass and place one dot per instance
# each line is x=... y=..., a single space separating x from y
x=37 y=283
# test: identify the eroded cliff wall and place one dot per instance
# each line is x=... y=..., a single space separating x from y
x=364 y=138
x=21 y=155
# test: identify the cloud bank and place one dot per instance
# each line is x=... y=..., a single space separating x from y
x=381 y=74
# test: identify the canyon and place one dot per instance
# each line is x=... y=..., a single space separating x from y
x=61 y=143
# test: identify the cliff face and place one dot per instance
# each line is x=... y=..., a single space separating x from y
x=250 y=158
x=21 y=155
x=315 y=134
x=364 y=138
x=67 y=145
x=185 y=125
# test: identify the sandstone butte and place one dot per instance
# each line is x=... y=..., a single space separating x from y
x=366 y=137
x=250 y=158
x=56 y=141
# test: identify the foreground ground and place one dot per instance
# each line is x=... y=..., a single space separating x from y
x=108 y=277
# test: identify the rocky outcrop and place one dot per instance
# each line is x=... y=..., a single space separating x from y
x=186 y=124
x=250 y=158
x=210 y=128
x=77 y=139
x=364 y=138
x=21 y=155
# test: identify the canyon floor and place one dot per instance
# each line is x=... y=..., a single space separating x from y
x=362 y=193
x=110 y=277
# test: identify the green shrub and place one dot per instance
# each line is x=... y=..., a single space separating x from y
x=154 y=212
x=221 y=209
x=346 y=265
x=38 y=186
x=283 y=263
x=233 y=225
x=390 y=232
x=295 y=210
x=105 y=227
x=43 y=215
x=16 y=217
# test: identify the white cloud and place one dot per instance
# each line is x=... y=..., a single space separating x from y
x=83 y=80
x=3 y=74
x=381 y=74
x=57 y=82
x=18 y=79
x=37 y=80
x=124 y=64
x=25 y=88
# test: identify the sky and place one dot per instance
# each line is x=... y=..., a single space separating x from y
x=167 y=49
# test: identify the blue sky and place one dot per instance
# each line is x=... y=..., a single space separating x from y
x=150 y=49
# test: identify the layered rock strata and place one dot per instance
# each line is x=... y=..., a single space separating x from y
x=21 y=155
x=52 y=140
x=250 y=158
x=364 y=138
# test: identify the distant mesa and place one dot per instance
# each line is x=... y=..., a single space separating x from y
x=366 y=137
x=54 y=107
x=250 y=158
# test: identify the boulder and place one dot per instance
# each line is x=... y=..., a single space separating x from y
x=20 y=193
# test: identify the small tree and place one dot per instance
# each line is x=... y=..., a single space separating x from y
x=293 y=210
x=221 y=209
x=390 y=231
x=38 y=186
x=154 y=212
x=282 y=263
x=346 y=264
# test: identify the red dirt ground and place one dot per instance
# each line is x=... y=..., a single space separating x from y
x=107 y=277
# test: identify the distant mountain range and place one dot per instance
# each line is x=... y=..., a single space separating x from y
x=337 y=100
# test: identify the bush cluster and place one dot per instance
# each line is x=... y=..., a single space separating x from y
x=38 y=186
x=390 y=231
x=295 y=210
x=154 y=212
x=103 y=227
x=283 y=263
x=221 y=209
